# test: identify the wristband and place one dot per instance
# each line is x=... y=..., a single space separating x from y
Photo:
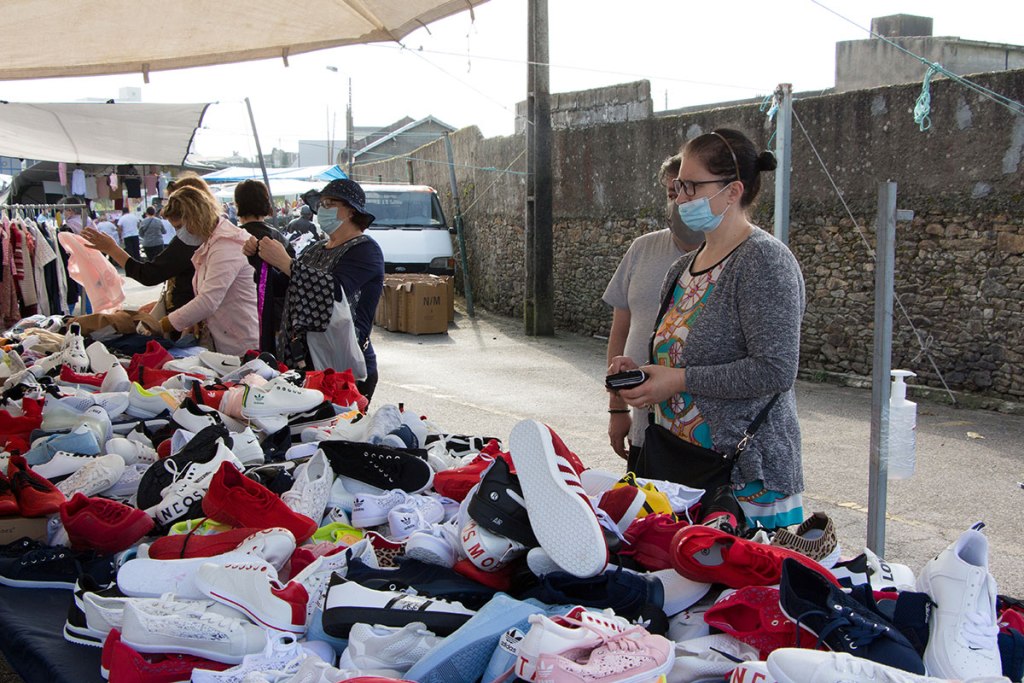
x=615 y=411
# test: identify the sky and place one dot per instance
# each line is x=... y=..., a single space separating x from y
x=472 y=71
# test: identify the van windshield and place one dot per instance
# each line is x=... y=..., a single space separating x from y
x=404 y=209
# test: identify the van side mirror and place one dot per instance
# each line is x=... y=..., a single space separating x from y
x=452 y=230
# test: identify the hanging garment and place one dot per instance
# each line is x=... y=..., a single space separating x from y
x=94 y=272
x=43 y=256
x=62 y=173
x=27 y=284
x=103 y=188
x=91 y=189
x=165 y=178
x=9 y=313
x=78 y=182
x=134 y=187
x=151 y=181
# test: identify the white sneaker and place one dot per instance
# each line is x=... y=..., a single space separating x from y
x=45 y=365
x=372 y=510
x=71 y=412
x=189 y=486
x=246 y=447
x=149 y=578
x=195 y=418
x=416 y=426
x=254 y=367
x=132 y=451
x=253 y=587
x=405 y=520
x=341 y=497
x=800 y=665
x=96 y=476
x=440 y=458
x=127 y=486
x=440 y=544
x=198 y=632
x=349 y=603
x=100 y=359
x=963 y=629
x=145 y=404
x=281 y=650
x=221 y=363
x=313 y=480
x=62 y=464
x=102 y=614
x=713 y=657
x=73 y=350
x=386 y=651
x=317 y=575
x=278 y=398
x=116 y=379
x=350 y=425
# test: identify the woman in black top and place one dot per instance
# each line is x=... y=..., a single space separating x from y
x=252 y=199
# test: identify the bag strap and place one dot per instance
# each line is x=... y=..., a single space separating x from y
x=748 y=434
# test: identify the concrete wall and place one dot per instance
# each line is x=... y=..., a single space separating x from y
x=613 y=104
x=960 y=264
x=872 y=63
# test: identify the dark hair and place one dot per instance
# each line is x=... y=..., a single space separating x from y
x=362 y=220
x=150 y=211
x=253 y=199
x=725 y=152
x=670 y=167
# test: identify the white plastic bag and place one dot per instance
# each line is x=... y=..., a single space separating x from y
x=338 y=346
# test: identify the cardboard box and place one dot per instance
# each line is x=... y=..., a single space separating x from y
x=416 y=303
x=13 y=528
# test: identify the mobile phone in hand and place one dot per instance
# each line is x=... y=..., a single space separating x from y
x=625 y=380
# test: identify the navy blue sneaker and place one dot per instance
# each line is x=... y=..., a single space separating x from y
x=841 y=623
x=630 y=595
x=428 y=579
x=908 y=611
x=19 y=547
x=56 y=567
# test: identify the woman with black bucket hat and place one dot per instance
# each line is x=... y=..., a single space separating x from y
x=348 y=266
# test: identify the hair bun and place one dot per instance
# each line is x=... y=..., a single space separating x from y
x=766 y=161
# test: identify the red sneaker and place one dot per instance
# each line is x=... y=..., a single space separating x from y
x=649 y=538
x=178 y=546
x=21 y=427
x=208 y=395
x=622 y=505
x=8 y=503
x=343 y=390
x=150 y=377
x=103 y=525
x=562 y=450
x=239 y=501
x=154 y=357
x=37 y=497
x=706 y=554
x=752 y=615
x=314 y=379
x=500 y=580
x=69 y=376
x=456 y=482
x=125 y=665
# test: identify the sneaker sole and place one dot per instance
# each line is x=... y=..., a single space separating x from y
x=27 y=583
x=565 y=524
x=80 y=637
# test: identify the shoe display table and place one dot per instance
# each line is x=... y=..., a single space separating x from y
x=32 y=623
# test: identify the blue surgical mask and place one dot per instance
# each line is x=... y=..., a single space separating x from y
x=697 y=215
x=329 y=219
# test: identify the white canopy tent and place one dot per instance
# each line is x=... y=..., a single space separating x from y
x=98 y=133
x=199 y=33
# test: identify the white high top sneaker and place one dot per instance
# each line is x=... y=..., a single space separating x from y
x=189 y=486
x=313 y=480
x=962 y=642
x=73 y=350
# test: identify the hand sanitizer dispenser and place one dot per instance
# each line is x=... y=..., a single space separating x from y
x=902 y=427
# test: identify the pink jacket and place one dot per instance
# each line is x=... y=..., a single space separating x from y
x=225 y=292
x=92 y=270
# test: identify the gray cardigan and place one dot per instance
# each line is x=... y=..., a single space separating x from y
x=744 y=348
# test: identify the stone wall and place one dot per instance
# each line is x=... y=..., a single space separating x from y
x=959 y=265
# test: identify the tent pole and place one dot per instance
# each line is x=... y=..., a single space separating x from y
x=263 y=166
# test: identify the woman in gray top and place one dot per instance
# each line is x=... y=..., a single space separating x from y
x=729 y=337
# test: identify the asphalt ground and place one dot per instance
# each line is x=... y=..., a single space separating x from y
x=486 y=375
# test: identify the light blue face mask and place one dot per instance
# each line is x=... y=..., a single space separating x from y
x=697 y=215
x=188 y=238
x=328 y=219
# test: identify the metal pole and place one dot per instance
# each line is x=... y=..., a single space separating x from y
x=885 y=257
x=538 y=301
x=784 y=155
x=259 y=153
x=351 y=138
x=459 y=234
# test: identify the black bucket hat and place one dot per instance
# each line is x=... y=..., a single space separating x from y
x=349 y=192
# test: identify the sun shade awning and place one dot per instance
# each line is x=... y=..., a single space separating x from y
x=97 y=133
x=125 y=36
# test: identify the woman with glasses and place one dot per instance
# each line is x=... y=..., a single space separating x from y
x=631 y=294
x=727 y=337
x=349 y=264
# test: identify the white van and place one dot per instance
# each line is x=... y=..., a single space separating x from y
x=410 y=229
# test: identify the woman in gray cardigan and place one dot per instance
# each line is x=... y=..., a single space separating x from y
x=729 y=338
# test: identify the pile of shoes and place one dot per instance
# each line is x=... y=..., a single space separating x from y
x=219 y=518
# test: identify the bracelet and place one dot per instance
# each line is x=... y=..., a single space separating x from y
x=615 y=411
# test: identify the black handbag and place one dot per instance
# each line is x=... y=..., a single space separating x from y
x=667 y=457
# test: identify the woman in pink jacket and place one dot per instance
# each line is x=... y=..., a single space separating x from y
x=223 y=313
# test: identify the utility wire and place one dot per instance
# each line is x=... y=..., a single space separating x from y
x=480 y=195
x=925 y=344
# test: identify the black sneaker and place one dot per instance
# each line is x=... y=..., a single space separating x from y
x=202 y=448
x=316 y=417
x=56 y=567
x=349 y=603
x=499 y=507
x=278 y=477
x=431 y=580
x=19 y=547
x=462 y=444
x=379 y=466
x=841 y=623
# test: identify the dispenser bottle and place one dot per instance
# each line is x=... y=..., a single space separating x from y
x=902 y=428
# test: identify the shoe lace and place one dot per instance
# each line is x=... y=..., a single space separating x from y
x=856 y=629
x=755 y=559
x=980 y=631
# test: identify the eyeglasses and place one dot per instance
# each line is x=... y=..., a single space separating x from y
x=689 y=187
